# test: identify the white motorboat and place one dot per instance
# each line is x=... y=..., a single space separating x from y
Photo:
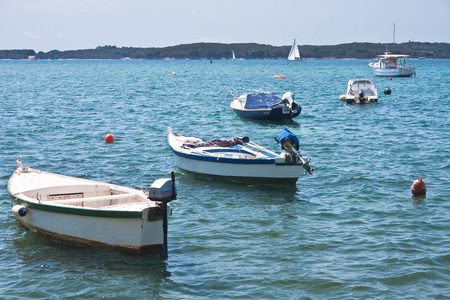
x=87 y=212
x=360 y=91
x=240 y=159
x=294 y=54
x=393 y=65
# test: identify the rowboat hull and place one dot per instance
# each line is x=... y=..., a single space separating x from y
x=83 y=212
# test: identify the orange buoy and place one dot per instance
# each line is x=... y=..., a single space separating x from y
x=174 y=73
x=390 y=78
x=109 y=138
x=279 y=76
x=418 y=187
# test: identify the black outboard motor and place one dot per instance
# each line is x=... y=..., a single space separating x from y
x=361 y=97
x=162 y=191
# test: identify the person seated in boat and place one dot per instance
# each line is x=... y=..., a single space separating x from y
x=351 y=92
x=19 y=163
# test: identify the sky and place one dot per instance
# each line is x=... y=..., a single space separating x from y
x=44 y=25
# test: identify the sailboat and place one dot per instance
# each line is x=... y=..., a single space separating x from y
x=295 y=53
x=234 y=57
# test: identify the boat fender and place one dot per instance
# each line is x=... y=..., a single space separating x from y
x=418 y=187
x=387 y=91
x=19 y=210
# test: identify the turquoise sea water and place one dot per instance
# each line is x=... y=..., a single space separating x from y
x=350 y=231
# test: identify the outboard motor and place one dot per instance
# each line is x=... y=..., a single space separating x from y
x=162 y=191
x=361 y=97
x=288 y=98
x=290 y=143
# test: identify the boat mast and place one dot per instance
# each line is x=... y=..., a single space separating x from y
x=393 y=40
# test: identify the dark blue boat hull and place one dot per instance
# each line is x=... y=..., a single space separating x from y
x=264 y=114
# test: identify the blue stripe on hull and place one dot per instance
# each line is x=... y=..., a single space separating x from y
x=264 y=180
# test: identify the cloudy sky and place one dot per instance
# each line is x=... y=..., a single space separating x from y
x=44 y=25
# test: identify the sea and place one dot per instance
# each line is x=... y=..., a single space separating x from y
x=352 y=230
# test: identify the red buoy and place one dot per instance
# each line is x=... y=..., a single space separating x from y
x=418 y=188
x=390 y=78
x=109 y=138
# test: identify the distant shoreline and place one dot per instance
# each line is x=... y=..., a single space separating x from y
x=218 y=51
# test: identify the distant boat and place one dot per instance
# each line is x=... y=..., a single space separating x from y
x=234 y=56
x=295 y=53
x=393 y=65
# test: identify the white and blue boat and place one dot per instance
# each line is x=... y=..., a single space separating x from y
x=360 y=91
x=393 y=65
x=240 y=159
x=260 y=105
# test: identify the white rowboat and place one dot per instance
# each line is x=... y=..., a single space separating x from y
x=88 y=212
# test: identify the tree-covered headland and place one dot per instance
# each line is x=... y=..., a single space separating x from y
x=245 y=51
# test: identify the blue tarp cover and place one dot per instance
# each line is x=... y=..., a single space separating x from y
x=286 y=133
x=261 y=100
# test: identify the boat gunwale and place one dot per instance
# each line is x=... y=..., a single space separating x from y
x=79 y=210
x=22 y=199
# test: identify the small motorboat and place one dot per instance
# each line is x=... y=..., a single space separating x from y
x=261 y=105
x=87 y=212
x=240 y=159
x=360 y=91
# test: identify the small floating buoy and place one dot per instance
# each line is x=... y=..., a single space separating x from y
x=418 y=187
x=387 y=91
x=210 y=61
x=174 y=73
x=109 y=138
x=279 y=76
x=390 y=78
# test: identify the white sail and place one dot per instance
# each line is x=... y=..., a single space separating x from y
x=295 y=53
x=234 y=57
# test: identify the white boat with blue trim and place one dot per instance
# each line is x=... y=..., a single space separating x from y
x=87 y=212
x=393 y=65
x=360 y=91
x=240 y=159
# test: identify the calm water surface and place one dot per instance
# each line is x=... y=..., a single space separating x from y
x=350 y=231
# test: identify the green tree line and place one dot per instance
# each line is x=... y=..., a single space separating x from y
x=242 y=50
